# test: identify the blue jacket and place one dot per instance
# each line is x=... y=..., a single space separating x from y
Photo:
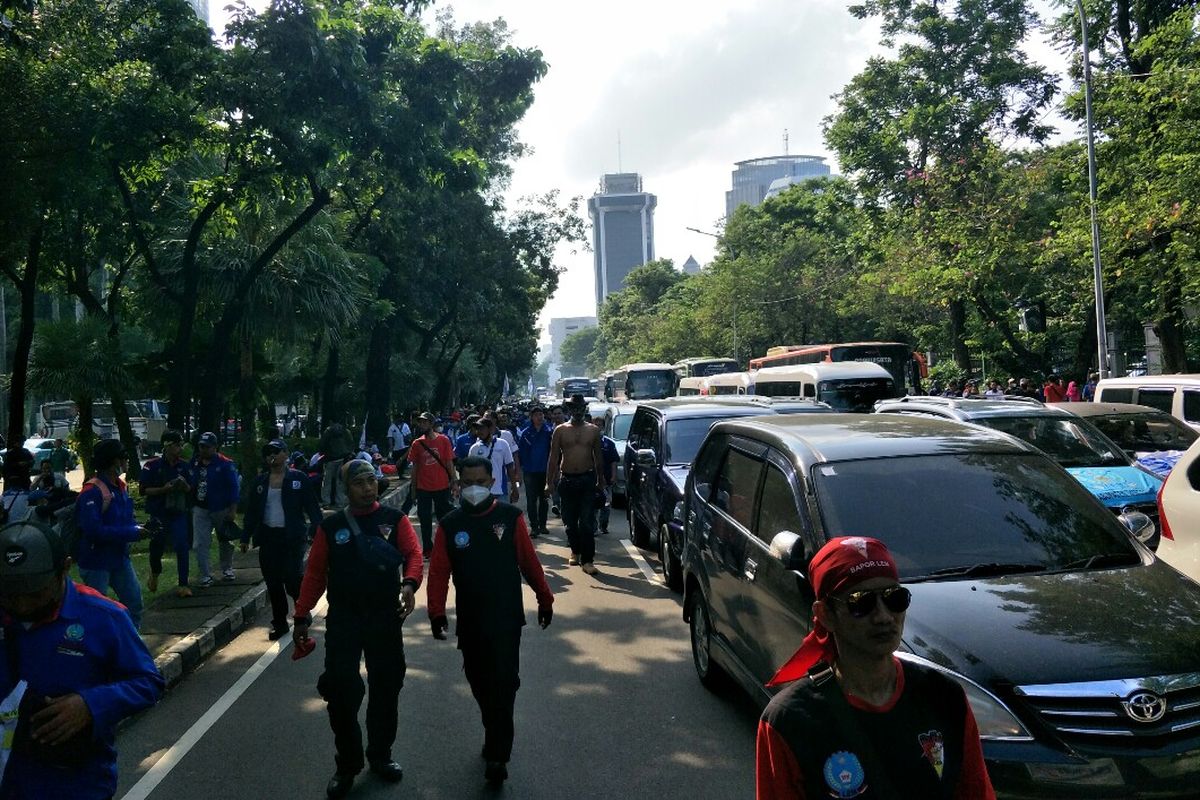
x=608 y=456
x=299 y=500
x=105 y=534
x=534 y=447
x=90 y=649
x=219 y=481
x=462 y=444
x=157 y=473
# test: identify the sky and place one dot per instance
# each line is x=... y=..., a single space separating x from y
x=688 y=86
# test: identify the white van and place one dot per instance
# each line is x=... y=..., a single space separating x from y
x=852 y=386
x=692 y=387
x=1178 y=395
x=730 y=383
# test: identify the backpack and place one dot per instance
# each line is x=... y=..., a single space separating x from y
x=67 y=518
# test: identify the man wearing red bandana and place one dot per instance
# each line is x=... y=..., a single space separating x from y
x=855 y=721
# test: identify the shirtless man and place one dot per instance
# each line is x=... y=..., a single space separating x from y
x=575 y=456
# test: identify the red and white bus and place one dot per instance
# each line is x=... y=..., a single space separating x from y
x=906 y=367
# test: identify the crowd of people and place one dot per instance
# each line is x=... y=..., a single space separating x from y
x=1054 y=389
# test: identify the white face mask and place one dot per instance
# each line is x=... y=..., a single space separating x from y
x=475 y=495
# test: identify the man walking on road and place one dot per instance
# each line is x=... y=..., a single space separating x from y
x=575 y=456
x=369 y=558
x=398 y=435
x=214 y=504
x=485 y=546
x=336 y=447
x=166 y=482
x=432 y=457
x=608 y=458
x=534 y=447
x=83 y=665
x=857 y=721
x=496 y=451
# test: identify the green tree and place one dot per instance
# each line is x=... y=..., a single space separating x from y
x=576 y=351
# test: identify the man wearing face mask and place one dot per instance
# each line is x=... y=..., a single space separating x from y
x=575 y=455
x=83 y=666
x=485 y=546
x=368 y=557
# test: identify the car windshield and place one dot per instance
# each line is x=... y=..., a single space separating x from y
x=650 y=384
x=1070 y=442
x=944 y=513
x=858 y=395
x=1151 y=431
x=684 y=437
x=621 y=423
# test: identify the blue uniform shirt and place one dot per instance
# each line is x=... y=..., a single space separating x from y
x=215 y=486
x=106 y=533
x=157 y=473
x=91 y=649
x=608 y=456
x=462 y=444
x=534 y=447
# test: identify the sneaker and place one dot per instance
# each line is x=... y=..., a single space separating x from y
x=152 y=584
x=573 y=561
x=604 y=531
x=228 y=576
x=277 y=631
x=205 y=582
x=183 y=591
x=554 y=511
x=495 y=773
x=590 y=568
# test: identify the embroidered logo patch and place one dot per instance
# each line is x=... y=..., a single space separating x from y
x=844 y=775
x=15 y=555
x=858 y=543
x=499 y=531
x=342 y=536
x=462 y=539
x=75 y=632
x=295 y=484
x=260 y=490
x=932 y=745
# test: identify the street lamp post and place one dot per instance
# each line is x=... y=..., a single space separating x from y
x=1098 y=275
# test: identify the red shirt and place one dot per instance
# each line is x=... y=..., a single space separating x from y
x=432 y=462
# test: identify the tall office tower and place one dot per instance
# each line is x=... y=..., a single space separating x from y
x=760 y=178
x=201 y=9
x=622 y=230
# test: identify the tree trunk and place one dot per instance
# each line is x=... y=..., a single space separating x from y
x=125 y=430
x=1170 y=326
x=330 y=413
x=378 y=381
x=958 y=335
x=27 y=286
x=85 y=436
x=1085 y=347
x=248 y=441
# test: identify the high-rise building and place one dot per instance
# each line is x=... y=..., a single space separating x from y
x=691 y=266
x=622 y=230
x=759 y=178
x=201 y=9
x=560 y=329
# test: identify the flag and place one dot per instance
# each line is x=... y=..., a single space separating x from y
x=504 y=391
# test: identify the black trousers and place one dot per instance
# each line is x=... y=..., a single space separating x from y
x=492 y=663
x=350 y=635
x=282 y=563
x=536 y=502
x=576 y=494
x=430 y=503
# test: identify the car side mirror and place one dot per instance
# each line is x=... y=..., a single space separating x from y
x=1140 y=525
x=646 y=458
x=788 y=547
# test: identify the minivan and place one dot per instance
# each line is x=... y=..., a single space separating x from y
x=1178 y=395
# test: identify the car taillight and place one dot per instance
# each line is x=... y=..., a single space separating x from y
x=1164 y=526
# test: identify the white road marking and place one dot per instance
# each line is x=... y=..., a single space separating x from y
x=642 y=564
x=162 y=768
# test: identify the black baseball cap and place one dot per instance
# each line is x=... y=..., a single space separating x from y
x=171 y=437
x=208 y=438
x=30 y=555
x=274 y=446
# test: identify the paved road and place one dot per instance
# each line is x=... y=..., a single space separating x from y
x=609 y=707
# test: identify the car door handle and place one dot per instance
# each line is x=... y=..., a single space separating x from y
x=751 y=571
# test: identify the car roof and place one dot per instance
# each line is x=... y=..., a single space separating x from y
x=728 y=406
x=1177 y=379
x=819 y=438
x=969 y=408
x=1100 y=409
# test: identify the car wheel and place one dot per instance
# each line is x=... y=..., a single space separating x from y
x=711 y=675
x=638 y=530
x=672 y=569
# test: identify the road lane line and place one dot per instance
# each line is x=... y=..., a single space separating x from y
x=642 y=563
x=162 y=768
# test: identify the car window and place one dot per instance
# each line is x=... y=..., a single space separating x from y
x=1191 y=405
x=1152 y=431
x=639 y=429
x=684 y=437
x=973 y=509
x=1070 y=442
x=777 y=508
x=736 y=487
x=1114 y=395
x=620 y=426
x=708 y=461
x=1156 y=398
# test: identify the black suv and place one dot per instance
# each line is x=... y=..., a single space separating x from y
x=663 y=438
x=1077 y=648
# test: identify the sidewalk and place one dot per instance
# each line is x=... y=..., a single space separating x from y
x=183 y=631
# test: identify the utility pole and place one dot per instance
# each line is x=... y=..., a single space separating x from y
x=1098 y=274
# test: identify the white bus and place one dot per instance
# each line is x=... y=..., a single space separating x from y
x=634 y=382
x=692 y=387
x=846 y=386
x=731 y=383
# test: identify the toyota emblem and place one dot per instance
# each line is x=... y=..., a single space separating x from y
x=1145 y=707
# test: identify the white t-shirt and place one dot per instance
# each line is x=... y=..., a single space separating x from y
x=273 y=511
x=509 y=440
x=398 y=434
x=500 y=454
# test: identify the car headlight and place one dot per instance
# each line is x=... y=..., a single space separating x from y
x=996 y=723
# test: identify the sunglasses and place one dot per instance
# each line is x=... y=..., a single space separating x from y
x=896 y=599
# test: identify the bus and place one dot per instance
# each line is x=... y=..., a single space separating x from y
x=731 y=383
x=565 y=387
x=704 y=367
x=906 y=367
x=850 y=387
x=643 y=382
x=692 y=387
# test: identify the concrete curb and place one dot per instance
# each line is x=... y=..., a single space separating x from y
x=186 y=654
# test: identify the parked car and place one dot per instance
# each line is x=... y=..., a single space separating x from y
x=617 y=418
x=40 y=448
x=1177 y=395
x=1026 y=591
x=663 y=438
x=1074 y=443
x=1179 y=510
x=1153 y=438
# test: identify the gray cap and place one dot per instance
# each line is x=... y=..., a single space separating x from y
x=30 y=554
x=208 y=438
